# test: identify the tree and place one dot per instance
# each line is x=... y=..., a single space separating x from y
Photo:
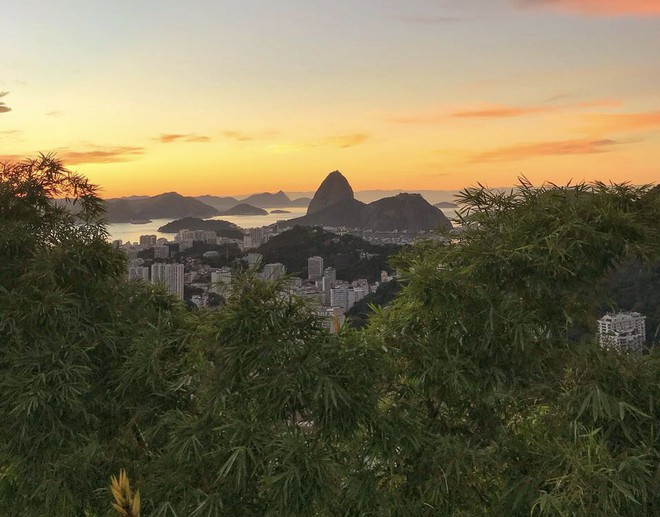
x=88 y=362
x=511 y=416
x=464 y=396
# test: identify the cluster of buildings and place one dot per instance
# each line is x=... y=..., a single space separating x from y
x=624 y=331
x=330 y=297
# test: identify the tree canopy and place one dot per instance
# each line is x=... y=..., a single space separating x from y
x=465 y=396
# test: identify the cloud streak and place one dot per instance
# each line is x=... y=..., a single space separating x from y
x=622 y=122
x=553 y=148
x=168 y=138
x=433 y=20
x=598 y=7
x=494 y=111
x=100 y=154
x=238 y=136
x=345 y=141
x=3 y=107
x=336 y=142
x=11 y=158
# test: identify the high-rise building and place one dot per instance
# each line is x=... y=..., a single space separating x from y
x=328 y=282
x=623 y=330
x=207 y=236
x=253 y=259
x=138 y=273
x=315 y=268
x=221 y=280
x=148 y=240
x=184 y=235
x=273 y=271
x=161 y=252
x=355 y=295
x=333 y=318
x=171 y=275
x=339 y=297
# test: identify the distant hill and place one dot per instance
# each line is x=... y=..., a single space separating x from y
x=245 y=209
x=301 y=201
x=346 y=253
x=334 y=205
x=278 y=211
x=404 y=212
x=169 y=205
x=350 y=213
x=268 y=200
x=219 y=202
x=445 y=204
x=221 y=228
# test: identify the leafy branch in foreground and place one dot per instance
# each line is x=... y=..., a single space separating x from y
x=125 y=502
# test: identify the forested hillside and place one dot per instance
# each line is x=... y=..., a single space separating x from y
x=346 y=253
x=463 y=397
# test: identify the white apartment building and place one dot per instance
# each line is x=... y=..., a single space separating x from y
x=333 y=318
x=623 y=330
x=345 y=297
x=171 y=275
x=339 y=298
x=184 y=235
x=315 y=268
x=273 y=271
x=138 y=273
x=220 y=280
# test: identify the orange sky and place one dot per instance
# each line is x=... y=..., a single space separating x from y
x=236 y=96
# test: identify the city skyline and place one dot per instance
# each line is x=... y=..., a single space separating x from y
x=230 y=97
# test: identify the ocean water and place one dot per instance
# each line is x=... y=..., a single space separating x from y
x=128 y=232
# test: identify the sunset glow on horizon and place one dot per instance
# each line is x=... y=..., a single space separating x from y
x=232 y=97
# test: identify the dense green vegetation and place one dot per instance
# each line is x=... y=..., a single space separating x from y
x=343 y=252
x=635 y=286
x=358 y=316
x=463 y=397
x=220 y=227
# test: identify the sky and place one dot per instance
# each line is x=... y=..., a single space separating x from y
x=229 y=97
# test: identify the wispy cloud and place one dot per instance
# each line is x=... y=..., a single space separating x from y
x=3 y=107
x=434 y=20
x=622 y=122
x=598 y=7
x=494 y=111
x=53 y=113
x=336 y=142
x=238 y=136
x=167 y=138
x=344 y=141
x=100 y=154
x=11 y=158
x=501 y=111
x=553 y=148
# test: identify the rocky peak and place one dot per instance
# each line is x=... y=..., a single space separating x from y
x=334 y=189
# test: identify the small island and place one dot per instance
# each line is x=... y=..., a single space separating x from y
x=280 y=212
x=220 y=227
x=245 y=209
x=445 y=204
x=140 y=221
